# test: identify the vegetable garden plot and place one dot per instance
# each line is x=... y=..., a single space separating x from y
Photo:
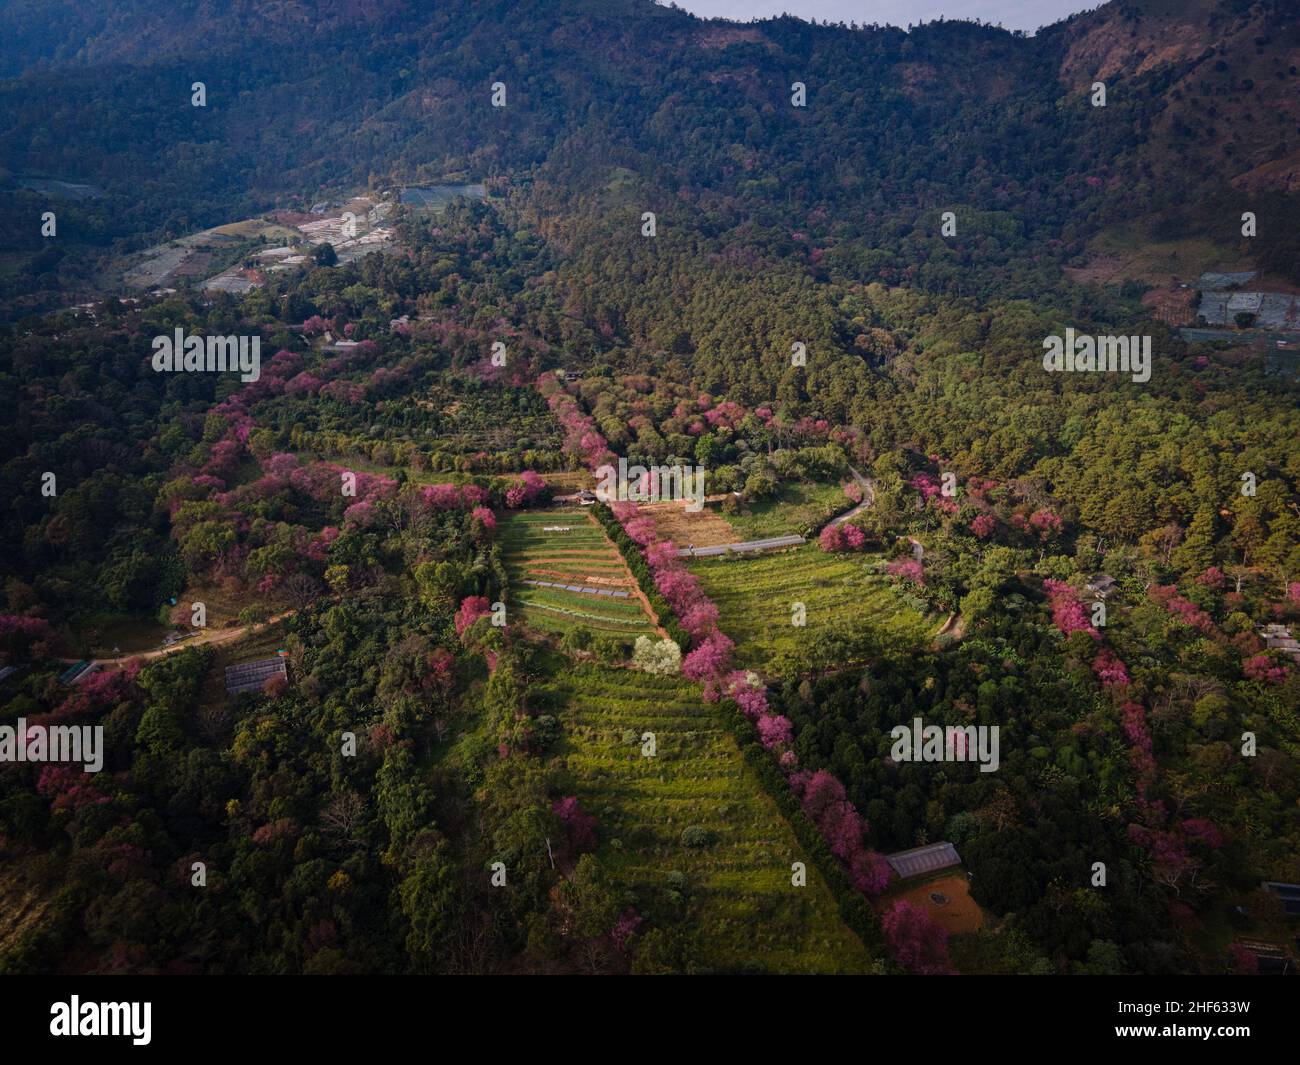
x=565 y=573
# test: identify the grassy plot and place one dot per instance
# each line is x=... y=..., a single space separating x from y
x=755 y=597
x=797 y=506
x=569 y=549
x=99 y=635
x=563 y=482
x=725 y=884
x=27 y=916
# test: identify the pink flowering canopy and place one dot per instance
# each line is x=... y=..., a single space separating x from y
x=471 y=609
x=1068 y=611
x=909 y=569
x=915 y=941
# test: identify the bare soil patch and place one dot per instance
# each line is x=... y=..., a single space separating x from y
x=947 y=900
x=704 y=528
x=1173 y=306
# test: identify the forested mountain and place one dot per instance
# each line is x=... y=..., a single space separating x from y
x=654 y=107
x=819 y=262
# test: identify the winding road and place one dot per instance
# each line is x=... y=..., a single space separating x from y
x=205 y=637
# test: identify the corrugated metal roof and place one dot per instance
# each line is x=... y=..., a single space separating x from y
x=1273 y=310
x=75 y=671
x=921 y=860
x=251 y=676
x=1212 y=280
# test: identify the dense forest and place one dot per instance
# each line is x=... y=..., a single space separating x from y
x=451 y=775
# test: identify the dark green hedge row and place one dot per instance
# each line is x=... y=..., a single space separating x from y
x=500 y=576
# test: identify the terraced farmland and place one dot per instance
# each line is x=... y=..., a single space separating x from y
x=564 y=572
x=728 y=890
x=755 y=598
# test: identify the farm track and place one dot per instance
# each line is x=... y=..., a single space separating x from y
x=207 y=638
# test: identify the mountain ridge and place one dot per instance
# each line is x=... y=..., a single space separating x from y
x=302 y=96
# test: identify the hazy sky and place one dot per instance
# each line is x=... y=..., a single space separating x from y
x=1026 y=15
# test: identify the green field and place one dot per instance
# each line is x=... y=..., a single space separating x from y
x=797 y=506
x=755 y=598
x=738 y=908
x=582 y=555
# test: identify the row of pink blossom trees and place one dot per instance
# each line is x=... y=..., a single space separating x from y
x=581 y=437
x=679 y=587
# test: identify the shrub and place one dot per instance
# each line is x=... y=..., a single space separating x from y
x=661 y=657
x=578 y=638
x=609 y=648
x=546 y=731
